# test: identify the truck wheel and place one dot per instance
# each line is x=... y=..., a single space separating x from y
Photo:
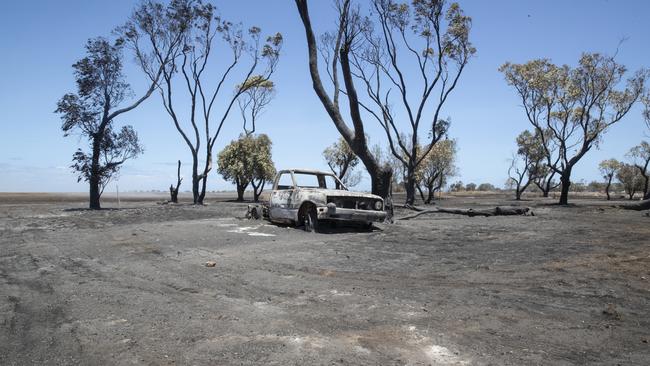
x=310 y=220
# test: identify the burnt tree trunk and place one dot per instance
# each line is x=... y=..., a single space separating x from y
x=431 y=194
x=95 y=178
x=410 y=186
x=547 y=188
x=609 y=185
x=380 y=176
x=195 y=178
x=565 y=181
x=421 y=193
x=204 y=183
x=173 y=191
x=241 y=188
x=257 y=189
x=380 y=179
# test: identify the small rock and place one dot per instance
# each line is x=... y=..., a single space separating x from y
x=210 y=263
x=611 y=311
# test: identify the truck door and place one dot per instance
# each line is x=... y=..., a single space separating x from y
x=280 y=202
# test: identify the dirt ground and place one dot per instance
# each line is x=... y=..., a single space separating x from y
x=568 y=286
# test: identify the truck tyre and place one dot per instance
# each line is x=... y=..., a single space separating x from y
x=310 y=219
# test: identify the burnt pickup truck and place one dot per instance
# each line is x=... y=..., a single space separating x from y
x=309 y=197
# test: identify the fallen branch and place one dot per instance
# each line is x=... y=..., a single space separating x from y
x=497 y=211
x=641 y=206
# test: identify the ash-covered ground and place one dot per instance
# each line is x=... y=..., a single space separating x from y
x=568 y=286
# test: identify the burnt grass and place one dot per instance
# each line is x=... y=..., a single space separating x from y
x=568 y=286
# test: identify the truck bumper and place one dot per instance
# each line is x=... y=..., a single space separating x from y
x=347 y=214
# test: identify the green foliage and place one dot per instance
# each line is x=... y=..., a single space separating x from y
x=486 y=187
x=608 y=168
x=100 y=89
x=457 y=186
x=100 y=85
x=631 y=179
x=571 y=107
x=256 y=93
x=595 y=186
x=645 y=100
x=640 y=155
x=584 y=99
x=115 y=149
x=255 y=82
x=245 y=159
x=438 y=165
x=342 y=161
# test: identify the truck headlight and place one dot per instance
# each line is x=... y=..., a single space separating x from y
x=378 y=205
x=331 y=208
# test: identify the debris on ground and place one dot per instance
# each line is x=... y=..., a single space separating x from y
x=612 y=312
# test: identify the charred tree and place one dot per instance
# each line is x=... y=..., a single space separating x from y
x=347 y=33
x=173 y=191
x=154 y=26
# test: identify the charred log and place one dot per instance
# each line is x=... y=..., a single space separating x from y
x=497 y=211
x=641 y=206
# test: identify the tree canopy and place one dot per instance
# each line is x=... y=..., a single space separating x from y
x=247 y=160
x=436 y=169
x=342 y=161
x=91 y=112
x=571 y=107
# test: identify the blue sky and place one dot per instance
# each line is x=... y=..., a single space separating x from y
x=40 y=40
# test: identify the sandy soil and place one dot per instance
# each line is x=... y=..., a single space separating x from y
x=570 y=285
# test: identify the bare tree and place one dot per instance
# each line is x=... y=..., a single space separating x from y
x=93 y=109
x=640 y=156
x=577 y=105
x=432 y=38
x=645 y=100
x=256 y=96
x=173 y=191
x=519 y=174
x=436 y=38
x=153 y=26
x=347 y=33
